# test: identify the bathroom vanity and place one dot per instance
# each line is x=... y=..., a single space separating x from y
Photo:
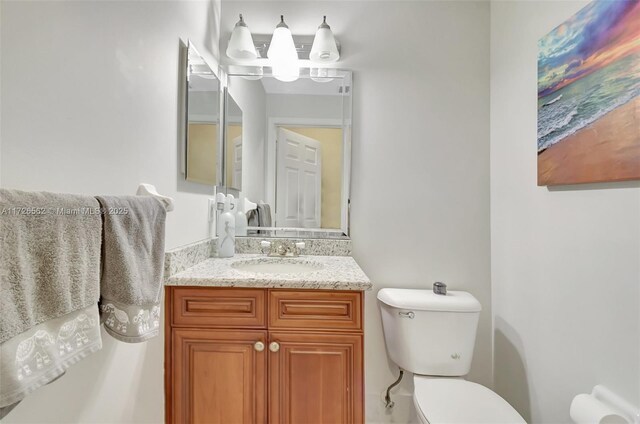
x=257 y=347
x=256 y=339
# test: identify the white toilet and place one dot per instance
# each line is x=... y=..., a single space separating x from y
x=432 y=336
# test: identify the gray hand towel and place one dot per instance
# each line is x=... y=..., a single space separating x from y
x=49 y=288
x=49 y=257
x=132 y=266
x=252 y=218
x=264 y=214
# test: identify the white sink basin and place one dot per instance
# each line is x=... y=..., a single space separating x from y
x=277 y=266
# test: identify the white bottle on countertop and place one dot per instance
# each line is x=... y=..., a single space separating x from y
x=241 y=218
x=226 y=230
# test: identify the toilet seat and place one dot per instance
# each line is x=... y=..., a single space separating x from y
x=457 y=401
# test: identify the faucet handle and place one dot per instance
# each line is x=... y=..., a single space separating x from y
x=300 y=245
x=265 y=245
x=281 y=248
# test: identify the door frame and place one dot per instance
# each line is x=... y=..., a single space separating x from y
x=234 y=181
x=271 y=154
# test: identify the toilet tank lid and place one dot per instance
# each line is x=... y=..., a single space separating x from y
x=427 y=300
x=457 y=401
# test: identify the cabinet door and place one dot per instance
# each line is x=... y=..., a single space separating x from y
x=219 y=376
x=315 y=378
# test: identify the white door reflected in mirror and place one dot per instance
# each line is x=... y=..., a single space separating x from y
x=298 y=201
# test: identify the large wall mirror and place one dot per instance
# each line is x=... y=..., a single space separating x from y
x=202 y=129
x=293 y=148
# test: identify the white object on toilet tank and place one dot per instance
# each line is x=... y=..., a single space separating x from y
x=427 y=333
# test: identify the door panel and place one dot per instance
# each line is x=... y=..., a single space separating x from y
x=315 y=378
x=310 y=211
x=291 y=194
x=218 y=376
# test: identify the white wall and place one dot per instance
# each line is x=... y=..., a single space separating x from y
x=0 y=94
x=90 y=105
x=420 y=196
x=251 y=98
x=565 y=261
x=304 y=106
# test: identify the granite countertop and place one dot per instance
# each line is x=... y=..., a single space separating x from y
x=337 y=273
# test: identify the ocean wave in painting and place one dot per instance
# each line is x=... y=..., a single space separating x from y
x=550 y=102
x=581 y=103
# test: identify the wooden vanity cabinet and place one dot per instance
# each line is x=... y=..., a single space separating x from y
x=263 y=356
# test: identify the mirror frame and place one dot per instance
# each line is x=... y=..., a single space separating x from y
x=188 y=49
x=270 y=150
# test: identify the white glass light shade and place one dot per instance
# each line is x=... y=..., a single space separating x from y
x=282 y=54
x=324 y=48
x=286 y=73
x=241 y=42
x=282 y=47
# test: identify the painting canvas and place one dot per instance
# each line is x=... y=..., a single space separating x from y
x=589 y=96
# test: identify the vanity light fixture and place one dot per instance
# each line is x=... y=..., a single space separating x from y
x=241 y=42
x=248 y=72
x=282 y=54
x=324 y=48
x=322 y=74
x=254 y=73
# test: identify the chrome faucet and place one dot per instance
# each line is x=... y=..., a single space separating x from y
x=282 y=248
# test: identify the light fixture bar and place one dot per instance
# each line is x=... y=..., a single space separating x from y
x=303 y=45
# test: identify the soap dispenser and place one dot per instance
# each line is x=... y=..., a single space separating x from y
x=226 y=230
x=241 y=218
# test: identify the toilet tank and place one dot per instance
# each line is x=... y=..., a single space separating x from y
x=428 y=333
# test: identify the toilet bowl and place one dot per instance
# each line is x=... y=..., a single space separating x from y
x=458 y=401
x=432 y=335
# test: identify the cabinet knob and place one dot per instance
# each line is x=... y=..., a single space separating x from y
x=274 y=346
x=259 y=346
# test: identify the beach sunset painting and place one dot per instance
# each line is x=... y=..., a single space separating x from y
x=589 y=96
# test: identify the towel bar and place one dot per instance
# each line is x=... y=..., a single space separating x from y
x=150 y=190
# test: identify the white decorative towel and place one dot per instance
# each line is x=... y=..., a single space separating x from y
x=43 y=353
